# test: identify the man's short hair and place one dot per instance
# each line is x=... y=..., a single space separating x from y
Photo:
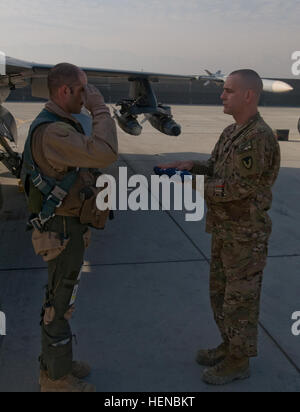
x=62 y=74
x=251 y=80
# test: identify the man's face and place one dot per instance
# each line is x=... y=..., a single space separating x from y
x=234 y=96
x=75 y=96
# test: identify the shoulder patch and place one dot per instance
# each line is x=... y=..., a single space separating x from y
x=248 y=162
x=245 y=146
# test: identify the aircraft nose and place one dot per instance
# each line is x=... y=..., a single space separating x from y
x=281 y=87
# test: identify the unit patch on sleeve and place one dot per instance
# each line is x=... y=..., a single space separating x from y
x=248 y=162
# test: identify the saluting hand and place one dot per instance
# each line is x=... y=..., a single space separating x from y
x=93 y=99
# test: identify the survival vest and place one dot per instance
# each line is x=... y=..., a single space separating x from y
x=44 y=194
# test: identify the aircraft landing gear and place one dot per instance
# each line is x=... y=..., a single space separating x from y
x=8 y=135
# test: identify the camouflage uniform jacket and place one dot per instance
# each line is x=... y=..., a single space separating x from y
x=240 y=174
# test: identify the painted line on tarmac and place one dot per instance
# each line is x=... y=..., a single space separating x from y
x=283 y=256
x=280 y=347
x=156 y=262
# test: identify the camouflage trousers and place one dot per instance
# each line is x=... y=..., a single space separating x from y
x=235 y=287
x=63 y=281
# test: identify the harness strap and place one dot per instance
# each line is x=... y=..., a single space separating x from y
x=53 y=191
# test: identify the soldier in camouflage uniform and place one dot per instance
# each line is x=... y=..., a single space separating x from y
x=239 y=176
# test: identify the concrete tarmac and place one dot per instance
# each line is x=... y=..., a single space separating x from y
x=143 y=308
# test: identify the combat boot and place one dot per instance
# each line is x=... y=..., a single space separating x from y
x=79 y=369
x=211 y=357
x=228 y=370
x=68 y=383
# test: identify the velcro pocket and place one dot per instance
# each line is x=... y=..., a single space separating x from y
x=49 y=245
x=90 y=214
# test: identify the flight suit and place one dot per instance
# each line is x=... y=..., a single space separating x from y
x=58 y=148
x=239 y=176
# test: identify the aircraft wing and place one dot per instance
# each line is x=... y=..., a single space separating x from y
x=97 y=73
x=20 y=70
x=141 y=100
x=20 y=73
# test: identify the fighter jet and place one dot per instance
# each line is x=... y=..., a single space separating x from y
x=269 y=85
x=15 y=73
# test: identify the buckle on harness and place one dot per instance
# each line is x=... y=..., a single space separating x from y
x=37 y=181
x=36 y=224
x=53 y=199
x=59 y=193
x=44 y=220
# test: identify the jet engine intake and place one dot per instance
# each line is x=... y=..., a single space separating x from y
x=8 y=137
x=128 y=123
x=165 y=124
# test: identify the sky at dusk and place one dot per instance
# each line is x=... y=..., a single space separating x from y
x=171 y=36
